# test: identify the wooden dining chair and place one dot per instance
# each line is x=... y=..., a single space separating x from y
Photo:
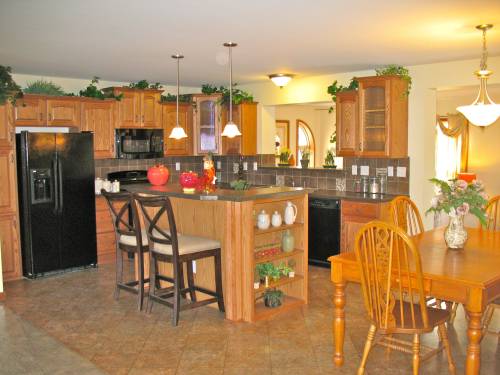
x=393 y=292
x=493 y=224
x=405 y=215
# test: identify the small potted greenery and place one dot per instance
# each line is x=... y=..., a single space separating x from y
x=273 y=298
x=284 y=156
x=285 y=269
x=43 y=87
x=304 y=161
x=329 y=160
x=291 y=264
x=9 y=90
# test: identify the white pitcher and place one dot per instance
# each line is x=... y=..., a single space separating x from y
x=290 y=213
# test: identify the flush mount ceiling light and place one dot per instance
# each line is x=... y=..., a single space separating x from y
x=280 y=79
x=178 y=131
x=483 y=112
x=231 y=129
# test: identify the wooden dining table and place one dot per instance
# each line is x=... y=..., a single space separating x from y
x=470 y=276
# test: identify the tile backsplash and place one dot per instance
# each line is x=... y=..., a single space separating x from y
x=268 y=174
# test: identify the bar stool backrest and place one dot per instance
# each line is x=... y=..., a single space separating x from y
x=153 y=209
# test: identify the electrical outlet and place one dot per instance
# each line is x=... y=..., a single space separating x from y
x=390 y=171
x=280 y=180
x=401 y=171
x=255 y=165
x=235 y=167
x=365 y=170
x=219 y=164
x=177 y=166
x=245 y=166
x=354 y=170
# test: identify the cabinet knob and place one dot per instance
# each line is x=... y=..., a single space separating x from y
x=359 y=146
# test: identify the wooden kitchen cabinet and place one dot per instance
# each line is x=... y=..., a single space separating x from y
x=355 y=214
x=40 y=110
x=380 y=128
x=31 y=110
x=106 y=240
x=347 y=123
x=8 y=186
x=7 y=132
x=63 y=111
x=11 y=257
x=98 y=117
x=137 y=108
x=207 y=123
x=245 y=116
x=177 y=146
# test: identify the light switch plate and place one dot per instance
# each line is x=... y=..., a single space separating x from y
x=280 y=180
x=235 y=167
x=354 y=170
x=245 y=166
x=177 y=166
x=401 y=171
x=219 y=164
x=365 y=170
x=255 y=164
x=390 y=171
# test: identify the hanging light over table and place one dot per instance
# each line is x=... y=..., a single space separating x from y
x=178 y=131
x=231 y=129
x=483 y=112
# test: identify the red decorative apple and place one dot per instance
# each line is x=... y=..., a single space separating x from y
x=188 y=181
x=158 y=175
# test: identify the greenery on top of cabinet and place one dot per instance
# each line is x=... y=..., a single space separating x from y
x=91 y=91
x=43 y=87
x=396 y=70
x=9 y=89
x=335 y=88
x=239 y=96
x=183 y=98
x=143 y=85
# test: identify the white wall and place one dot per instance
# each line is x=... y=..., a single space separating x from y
x=421 y=117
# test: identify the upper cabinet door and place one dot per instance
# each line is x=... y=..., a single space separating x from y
x=98 y=117
x=177 y=146
x=6 y=130
x=347 y=123
x=151 y=110
x=63 y=112
x=30 y=111
x=207 y=124
x=129 y=110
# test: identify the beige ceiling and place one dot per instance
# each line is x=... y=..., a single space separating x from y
x=128 y=40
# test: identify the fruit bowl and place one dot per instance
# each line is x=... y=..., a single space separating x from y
x=158 y=175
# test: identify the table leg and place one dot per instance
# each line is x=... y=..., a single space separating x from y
x=339 y=323
x=474 y=332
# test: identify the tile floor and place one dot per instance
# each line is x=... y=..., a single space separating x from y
x=78 y=311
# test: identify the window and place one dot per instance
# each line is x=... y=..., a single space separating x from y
x=305 y=140
x=448 y=152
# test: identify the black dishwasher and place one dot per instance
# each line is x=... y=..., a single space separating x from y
x=324 y=230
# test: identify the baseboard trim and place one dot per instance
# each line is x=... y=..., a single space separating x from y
x=2 y=296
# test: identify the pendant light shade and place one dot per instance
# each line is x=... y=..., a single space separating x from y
x=483 y=112
x=231 y=129
x=280 y=79
x=178 y=131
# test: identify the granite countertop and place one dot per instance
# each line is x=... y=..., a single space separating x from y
x=175 y=190
x=349 y=195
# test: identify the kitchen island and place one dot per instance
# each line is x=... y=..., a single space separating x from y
x=229 y=216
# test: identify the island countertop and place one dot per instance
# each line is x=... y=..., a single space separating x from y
x=254 y=193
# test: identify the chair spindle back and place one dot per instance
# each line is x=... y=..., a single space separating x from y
x=493 y=214
x=405 y=215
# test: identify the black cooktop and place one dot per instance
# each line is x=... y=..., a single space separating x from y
x=129 y=177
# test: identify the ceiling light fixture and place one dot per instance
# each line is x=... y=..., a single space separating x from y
x=231 y=129
x=483 y=112
x=280 y=79
x=178 y=131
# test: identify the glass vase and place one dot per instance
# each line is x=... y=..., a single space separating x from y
x=455 y=234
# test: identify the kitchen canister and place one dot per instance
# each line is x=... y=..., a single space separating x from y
x=287 y=241
x=290 y=213
x=263 y=220
x=98 y=185
x=115 y=186
x=276 y=219
x=106 y=185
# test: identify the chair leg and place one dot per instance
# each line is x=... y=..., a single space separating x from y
x=177 y=295
x=487 y=319
x=140 y=285
x=152 y=281
x=368 y=346
x=443 y=336
x=119 y=271
x=453 y=313
x=190 y=279
x=416 y=354
x=181 y=280
x=218 y=280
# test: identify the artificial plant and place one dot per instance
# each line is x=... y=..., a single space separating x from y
x=91 y=91
x=239 y=96
x=183 y=98
x=9 y=89
x=335 y=88
x=44 y=87
x=143 y=84
x=329 y=160
x=396 y=70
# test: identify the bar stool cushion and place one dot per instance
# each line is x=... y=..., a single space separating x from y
x=188 y=245
x=131 y=240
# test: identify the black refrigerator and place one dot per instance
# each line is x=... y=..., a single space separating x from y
x=56 y=201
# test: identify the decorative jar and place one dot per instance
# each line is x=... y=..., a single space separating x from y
x=158 y=175
x=455 y=234
x=188 y=181
x=287 y=241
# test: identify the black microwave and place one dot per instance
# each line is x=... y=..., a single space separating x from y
x=139 y=143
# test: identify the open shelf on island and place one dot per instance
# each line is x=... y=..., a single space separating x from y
x=280 y=282
x=263 y=312
x=276 y=229
x=281 y=255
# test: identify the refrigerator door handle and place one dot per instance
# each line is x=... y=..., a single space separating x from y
x=60 y=184
x=56 y=184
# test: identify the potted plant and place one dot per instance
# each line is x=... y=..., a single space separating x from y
x=273 y=298
x=285 y=269
x=396 y=70
x=284 y=156
x=43 y=87
x=329 y=160
x=306 y=154
x=9 y=90
x=457 y=198
x=265 y=271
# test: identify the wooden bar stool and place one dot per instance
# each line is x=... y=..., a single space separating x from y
x=177 y=249
x=129 y=239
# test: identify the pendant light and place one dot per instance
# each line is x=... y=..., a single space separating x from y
x=231 y=129
x=178 y=131
x=280 y=79
x=483 y=112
